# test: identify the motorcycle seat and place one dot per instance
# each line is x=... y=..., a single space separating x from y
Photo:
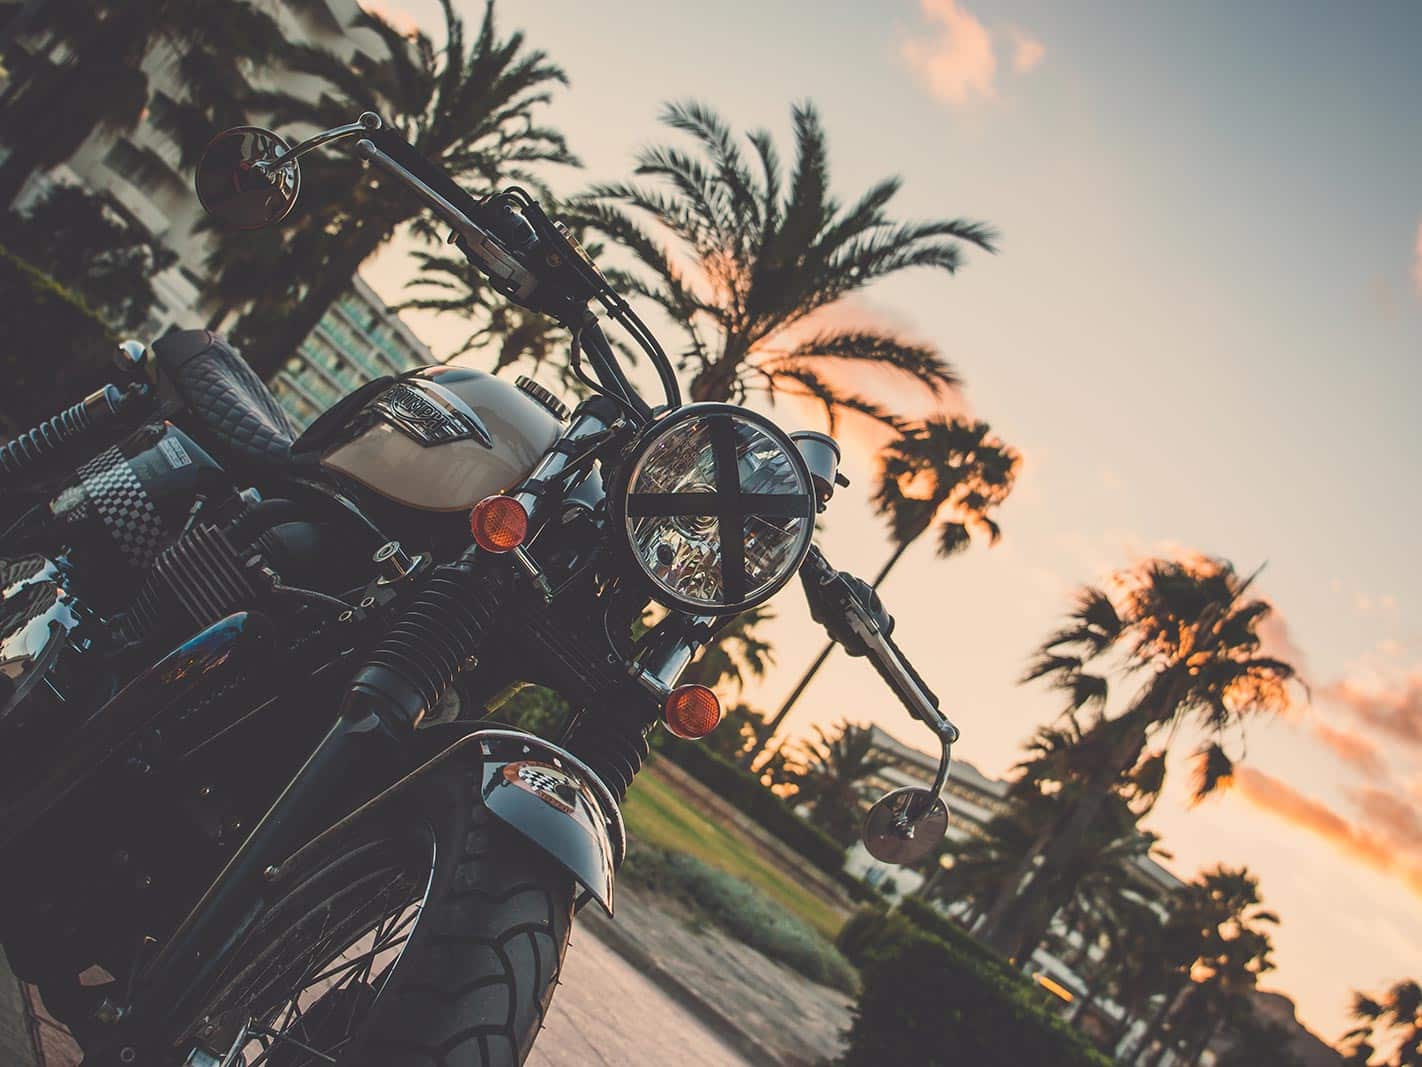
x=236 y=416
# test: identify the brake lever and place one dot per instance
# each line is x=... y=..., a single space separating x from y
x=889 y=662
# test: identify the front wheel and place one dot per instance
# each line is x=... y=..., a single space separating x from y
x=435 y=942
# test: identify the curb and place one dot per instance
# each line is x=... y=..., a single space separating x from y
x=708 y=1013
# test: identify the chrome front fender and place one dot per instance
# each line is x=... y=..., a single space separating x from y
x=556 y=802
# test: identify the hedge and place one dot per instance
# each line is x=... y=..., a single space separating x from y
x=53 y=348
x=743 y=789
x=933 y=1003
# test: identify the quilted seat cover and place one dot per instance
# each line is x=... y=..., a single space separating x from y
x=237 y=418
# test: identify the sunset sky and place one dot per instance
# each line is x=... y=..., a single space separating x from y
x=1202 y=331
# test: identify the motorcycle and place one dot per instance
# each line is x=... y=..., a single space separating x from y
x=251 y=809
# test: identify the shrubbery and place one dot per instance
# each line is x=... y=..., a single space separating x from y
x=742 y=912
x=744 y=790
x=932 y=1002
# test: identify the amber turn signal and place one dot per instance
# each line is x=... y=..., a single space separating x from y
x=692 y=712
x=499 y=523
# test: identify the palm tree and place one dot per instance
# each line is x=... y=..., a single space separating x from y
x=1189 y=631
x=1097 y=886
x=948 y=470
x=827 y=777
x=470 y=107
x=754 y=255
x=1393 y=1018
x=53 y=106
x=1221 y=947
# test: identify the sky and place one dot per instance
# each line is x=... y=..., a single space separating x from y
x=1202 y=331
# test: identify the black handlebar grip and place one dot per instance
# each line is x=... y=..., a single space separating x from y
x=50 y=439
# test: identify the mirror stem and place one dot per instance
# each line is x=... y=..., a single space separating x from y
x=368 y=122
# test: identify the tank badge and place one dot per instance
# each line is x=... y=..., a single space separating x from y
x=554 y=787
x=430 y=414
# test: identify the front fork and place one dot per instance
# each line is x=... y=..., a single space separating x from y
x=434 y=637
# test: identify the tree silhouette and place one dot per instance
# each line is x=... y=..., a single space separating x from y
x=1188 y=632
x=756 y=252
x=470 y=107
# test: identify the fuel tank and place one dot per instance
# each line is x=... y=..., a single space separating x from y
x=443 y=438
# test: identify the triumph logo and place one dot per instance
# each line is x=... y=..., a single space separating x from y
x=430 y=414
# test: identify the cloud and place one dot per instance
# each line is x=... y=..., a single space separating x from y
x=1394 y=711
x=1027 y=52
x=958 y=64
x=1376 y=848
x=1351 y=748
x=1395 y=817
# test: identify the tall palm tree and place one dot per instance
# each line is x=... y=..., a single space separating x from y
x=952 y=471
x=827 y=776
x=754 y=254
x=1188 y=634
x=471 y=107
x=1394 y=1018
x=53 y=105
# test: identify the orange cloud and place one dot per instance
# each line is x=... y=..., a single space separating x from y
x=1027 y=52
x=1363 y=844
x=1351 y=748
x=1395 y=712
x=958 y=64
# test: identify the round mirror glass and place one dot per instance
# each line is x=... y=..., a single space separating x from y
x=241 y=181
x=905 y=826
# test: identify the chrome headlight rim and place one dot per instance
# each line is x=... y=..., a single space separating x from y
x=798 y=505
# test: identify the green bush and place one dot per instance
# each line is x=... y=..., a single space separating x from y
x=938 y=925
x=53 y=348
x=929 y=1004
x=873 y=932
x=743 y=789
x=746 y=915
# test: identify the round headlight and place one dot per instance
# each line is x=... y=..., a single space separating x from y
x=717 y=507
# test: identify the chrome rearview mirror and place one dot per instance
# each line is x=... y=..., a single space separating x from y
x=242 y=179
x=905 y=826
x=248 y=176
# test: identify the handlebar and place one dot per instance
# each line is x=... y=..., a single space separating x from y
x=529 y=259
x=853 y=617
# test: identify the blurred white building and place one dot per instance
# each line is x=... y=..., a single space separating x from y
x=141 y=174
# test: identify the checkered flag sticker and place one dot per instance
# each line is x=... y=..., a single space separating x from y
x=125 y=507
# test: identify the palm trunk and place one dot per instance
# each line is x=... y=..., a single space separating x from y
x=273 y=350
x=768 y=731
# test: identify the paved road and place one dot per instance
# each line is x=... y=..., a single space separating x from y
x=605 y=1013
